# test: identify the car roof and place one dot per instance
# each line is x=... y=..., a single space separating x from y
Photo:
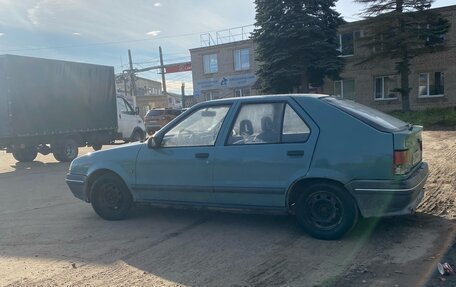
x=267 y=97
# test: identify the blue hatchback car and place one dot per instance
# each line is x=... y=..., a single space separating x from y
x=324 y=159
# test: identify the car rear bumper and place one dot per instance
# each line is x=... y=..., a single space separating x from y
x=389 y=198
x=152 y=128
x=77 y=184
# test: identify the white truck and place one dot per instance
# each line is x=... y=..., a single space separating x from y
x=51 y=106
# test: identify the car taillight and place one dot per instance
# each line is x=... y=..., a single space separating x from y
x=401 y=161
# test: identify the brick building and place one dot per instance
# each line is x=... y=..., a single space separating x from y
x=432 y=78
x=149 y=94
x=228 y=70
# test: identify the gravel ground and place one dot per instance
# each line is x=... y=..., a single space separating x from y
x=50 y=238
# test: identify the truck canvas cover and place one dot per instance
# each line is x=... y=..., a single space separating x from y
x=42 y=97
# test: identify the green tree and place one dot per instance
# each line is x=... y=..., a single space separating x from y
x=296 y=44
x=402 y=30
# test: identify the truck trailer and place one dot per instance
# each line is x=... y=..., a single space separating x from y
x=53 y=106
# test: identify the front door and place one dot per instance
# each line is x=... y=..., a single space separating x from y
x=268 y=147
x=126 y=118
x=180 y=170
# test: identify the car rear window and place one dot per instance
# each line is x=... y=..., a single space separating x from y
x=155 y=112
x=372 y=117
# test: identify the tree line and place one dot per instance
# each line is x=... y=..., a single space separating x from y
x=298 y=44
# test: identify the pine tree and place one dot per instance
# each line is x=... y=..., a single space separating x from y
x=296 y=43
x=403 y=30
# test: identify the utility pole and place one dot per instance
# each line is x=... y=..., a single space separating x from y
x=132 y=80
x=183 y=94
x=162 y=68
x=124 y=77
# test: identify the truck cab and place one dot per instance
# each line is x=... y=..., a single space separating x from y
x=130 y=124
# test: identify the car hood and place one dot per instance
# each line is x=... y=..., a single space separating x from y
x=123 y=156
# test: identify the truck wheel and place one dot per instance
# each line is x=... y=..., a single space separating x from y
x=97 y=147
x=27 y=154
x=110 y=197
x=66 y=151
x=137 y=136
x=326 y=211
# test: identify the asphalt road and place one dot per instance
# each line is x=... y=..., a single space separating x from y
x=50 y=238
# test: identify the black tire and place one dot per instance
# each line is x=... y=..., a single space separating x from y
x=66 y=151
x=110 y=198
x=27 y=154
x=326 y=211
x=97 y=147
x=137 y=136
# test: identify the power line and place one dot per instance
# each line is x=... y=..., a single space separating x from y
x=105 y=43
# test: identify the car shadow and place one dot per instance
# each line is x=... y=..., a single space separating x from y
x=210 y=248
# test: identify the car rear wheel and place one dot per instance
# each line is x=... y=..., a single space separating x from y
x=110 y=197
x=326 y=211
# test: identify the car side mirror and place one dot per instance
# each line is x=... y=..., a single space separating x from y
x=137 y=110
x=154 y=142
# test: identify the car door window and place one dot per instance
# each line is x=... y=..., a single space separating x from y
x=124 y=106
x=198 y=129
x=294 y=128
x=257 y=124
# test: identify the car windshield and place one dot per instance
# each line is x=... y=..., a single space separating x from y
x=375 y=118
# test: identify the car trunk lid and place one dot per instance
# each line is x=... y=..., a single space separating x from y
x=408 y=149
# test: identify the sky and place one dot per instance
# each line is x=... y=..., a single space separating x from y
x=102 y=31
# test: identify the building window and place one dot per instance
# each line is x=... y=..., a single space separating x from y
x=242 y=92
x=242 y=59
x=210 y=64
x=435 y=35
x=210 y=95
x=346 y=44
x=345 y=89
x=431 y=84
x=378 y=46
x=384 y=87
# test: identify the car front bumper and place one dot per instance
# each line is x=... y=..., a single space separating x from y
x=377 y=198
x=77 y=184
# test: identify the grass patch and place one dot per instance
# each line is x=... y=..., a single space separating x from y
x=435 y=118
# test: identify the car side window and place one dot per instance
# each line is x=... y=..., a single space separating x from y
x=294 y=128
x=198 y=129
x=257 y=124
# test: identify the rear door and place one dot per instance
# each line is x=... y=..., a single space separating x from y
x=269 y=145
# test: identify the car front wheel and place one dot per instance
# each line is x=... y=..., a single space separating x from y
x=326 y=211
x=110 y=197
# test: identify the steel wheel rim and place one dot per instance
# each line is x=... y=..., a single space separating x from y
x=325 y=210
x=111 y=197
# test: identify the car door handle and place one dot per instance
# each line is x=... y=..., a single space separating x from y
x=295 y=153
x=201 y=155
